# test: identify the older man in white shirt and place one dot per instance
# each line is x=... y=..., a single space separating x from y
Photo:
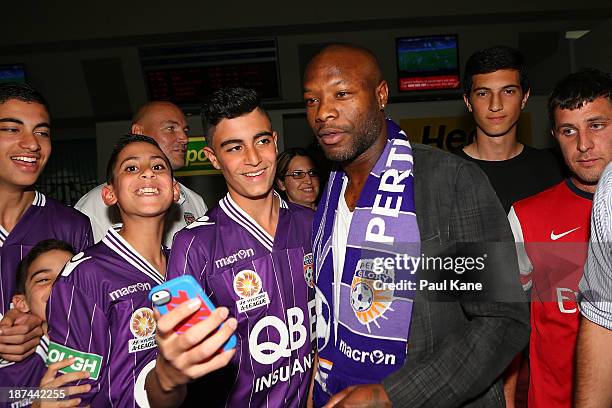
x=166 y=123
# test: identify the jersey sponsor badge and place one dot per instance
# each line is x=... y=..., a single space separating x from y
x=89 y=362
x=142 y=326
x=247 y=285
x=309 y=270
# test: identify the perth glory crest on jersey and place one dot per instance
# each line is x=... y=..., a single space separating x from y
x=99 y=313
x=266 y=283
x=44 y=219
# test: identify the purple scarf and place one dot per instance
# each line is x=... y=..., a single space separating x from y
x=362 y=327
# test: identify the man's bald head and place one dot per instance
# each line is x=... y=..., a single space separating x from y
x=345 y=97
x=151 y=108
x=353 y=56
x=166 y=123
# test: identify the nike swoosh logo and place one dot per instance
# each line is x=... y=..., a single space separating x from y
x=555 y=237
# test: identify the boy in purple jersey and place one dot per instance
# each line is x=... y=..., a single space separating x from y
x=35 y=275
x=26 y=216
x=98 y=311
x=252 y=254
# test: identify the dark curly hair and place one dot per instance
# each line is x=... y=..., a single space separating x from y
x=228 y=103
x=121 y=144
x=493 y=59
x=39 y=249
x=21 y=92
x=576 y=89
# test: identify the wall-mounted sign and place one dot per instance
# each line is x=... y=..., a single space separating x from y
x=187 y=73
x=453 y=132
x=196 y=163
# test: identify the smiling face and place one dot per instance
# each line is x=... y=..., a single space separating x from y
x=344 y=98
x=25 y=143
x=244 y=149
x=496 y=101
x=585 y=137
x=40 y=277
x=303 y=191
x=142 y=183
x=165 y=123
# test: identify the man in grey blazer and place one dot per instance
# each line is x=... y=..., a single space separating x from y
x=458 y=347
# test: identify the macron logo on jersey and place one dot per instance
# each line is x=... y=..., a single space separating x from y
x=238 y=256
x=126 y=290
x=203 y=220
x=73 y=263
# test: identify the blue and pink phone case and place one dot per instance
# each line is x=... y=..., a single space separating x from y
x=171 y=294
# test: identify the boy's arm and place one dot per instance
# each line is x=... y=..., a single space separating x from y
x=185 y=357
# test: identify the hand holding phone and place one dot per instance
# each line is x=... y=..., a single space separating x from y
x=173 y=293
x=181 y=359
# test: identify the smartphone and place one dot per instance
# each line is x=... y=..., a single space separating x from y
x=171 y=294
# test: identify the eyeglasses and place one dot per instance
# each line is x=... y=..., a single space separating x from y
x=299 y=174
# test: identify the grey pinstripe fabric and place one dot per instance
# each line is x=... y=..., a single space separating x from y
x=596 y=283
x=458 y=350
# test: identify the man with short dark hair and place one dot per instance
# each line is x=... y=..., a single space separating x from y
x=380 y=344
x=252 y=255
x=496 y=90
x=166 y=124
x=554 y=227
x=26 y=216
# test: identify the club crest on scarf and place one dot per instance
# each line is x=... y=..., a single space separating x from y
x=368 y=302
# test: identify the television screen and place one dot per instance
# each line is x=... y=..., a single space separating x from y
x=427 y=62
x=12 y=73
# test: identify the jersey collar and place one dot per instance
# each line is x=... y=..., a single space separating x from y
x=121 y=247
x=39 y=199
x=3 y=236
x=233 y=210
x=574 y=189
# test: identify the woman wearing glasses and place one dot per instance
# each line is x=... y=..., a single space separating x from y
x=297 y=177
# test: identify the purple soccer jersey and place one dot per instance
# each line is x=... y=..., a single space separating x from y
x=267 y=284
x=26 y=373
x=44 y=219
x=99 y=313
